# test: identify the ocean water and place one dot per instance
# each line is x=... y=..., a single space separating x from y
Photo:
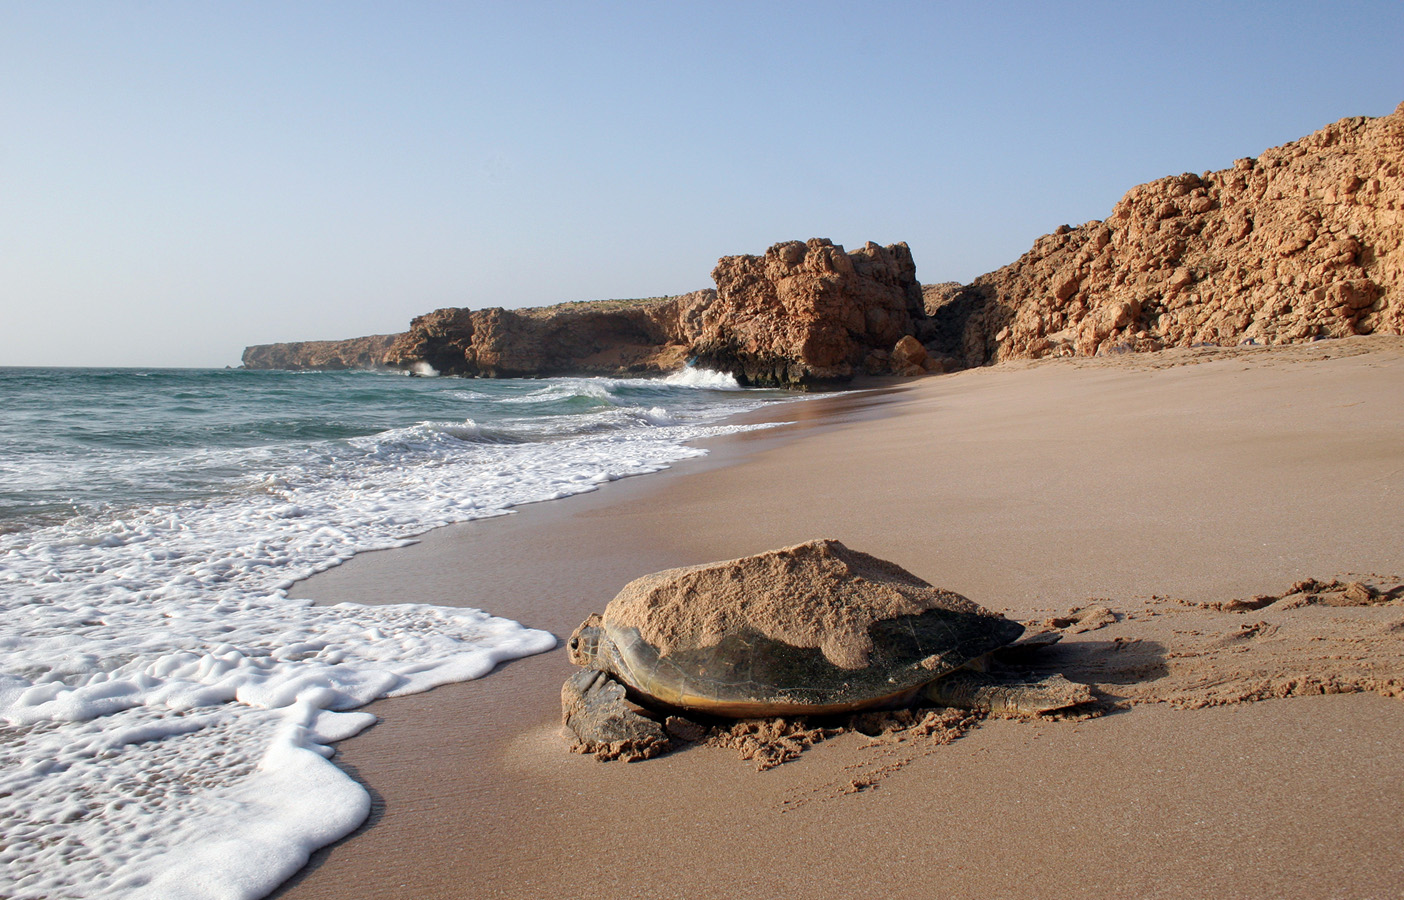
x=166 y=711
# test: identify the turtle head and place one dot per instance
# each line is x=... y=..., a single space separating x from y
x=586 y=644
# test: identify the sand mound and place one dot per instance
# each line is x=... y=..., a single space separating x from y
x=772 y=742
x=817 y=594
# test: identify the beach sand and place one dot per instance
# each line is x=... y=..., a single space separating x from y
x=1147 y=488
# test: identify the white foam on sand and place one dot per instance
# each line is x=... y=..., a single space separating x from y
x=166 y=710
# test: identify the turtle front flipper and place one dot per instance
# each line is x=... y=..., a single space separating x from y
x=593 y=709
x=1008 y=695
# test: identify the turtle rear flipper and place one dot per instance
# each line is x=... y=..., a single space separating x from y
x=1008 y=695
x=594 y=710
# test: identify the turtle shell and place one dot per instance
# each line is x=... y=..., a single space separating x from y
x=746 y=650
x=747 y=674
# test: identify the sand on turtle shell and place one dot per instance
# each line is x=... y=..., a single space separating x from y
x=817 y=594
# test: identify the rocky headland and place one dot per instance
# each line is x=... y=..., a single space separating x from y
x=354 y=353
x=1306 y=241
x=606 y=337
x=804 y=314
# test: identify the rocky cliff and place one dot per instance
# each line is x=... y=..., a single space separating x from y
x=1305 y=241
x=355 y=353
x=611 y=337
x=802 y=315
x=808 y=313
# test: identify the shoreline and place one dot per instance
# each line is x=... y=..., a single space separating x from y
x=989 y=482
x=874 y=398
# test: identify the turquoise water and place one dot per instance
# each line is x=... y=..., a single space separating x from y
x=95 y=441
x=166 y=711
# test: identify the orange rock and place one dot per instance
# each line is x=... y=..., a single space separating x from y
x=808 y=313
x=1305 y=241
x=909 y=357
x=610 y=337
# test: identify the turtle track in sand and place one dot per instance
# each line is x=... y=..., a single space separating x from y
x=1318 y=637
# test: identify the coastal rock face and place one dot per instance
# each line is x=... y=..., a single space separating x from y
x=595 y=338
x=1305 y=241
x=355 y=353
x=802 y=315
x=807 y=313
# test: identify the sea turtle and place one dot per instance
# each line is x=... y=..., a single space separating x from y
x=813 y=629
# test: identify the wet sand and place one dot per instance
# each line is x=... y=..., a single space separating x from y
x=1154 y=486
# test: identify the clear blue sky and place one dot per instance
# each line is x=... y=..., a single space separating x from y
x=180 y=179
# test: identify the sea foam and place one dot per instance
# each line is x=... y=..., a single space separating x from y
x=692 y=376
x=168 y=710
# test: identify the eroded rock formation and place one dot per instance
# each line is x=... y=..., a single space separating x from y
x=615 y=337
x=1305 y=241
x=802 y=315
x=807 y=313
x=355 y=353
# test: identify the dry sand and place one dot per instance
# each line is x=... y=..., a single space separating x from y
x=1128 y=502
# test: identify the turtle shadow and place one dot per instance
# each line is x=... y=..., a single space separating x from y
x=1103 y=665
